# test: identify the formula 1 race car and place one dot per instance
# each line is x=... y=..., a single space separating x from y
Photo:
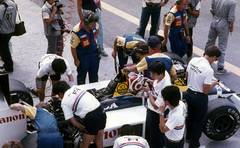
x=122 y=106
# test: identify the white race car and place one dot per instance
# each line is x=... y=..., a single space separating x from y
x=121 y=106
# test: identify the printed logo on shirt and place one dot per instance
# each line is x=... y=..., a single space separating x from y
x=83 y=36
x=178 y=23
x=85 y=42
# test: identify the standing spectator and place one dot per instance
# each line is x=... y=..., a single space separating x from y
x=12 y=144
x=124 y=46
x=7 y=28
x=95 y=6
x=200 y=82
x=150 y=8
x=175 y=123
x=223 y=12
x=52 y=29
x=193 y=12
x=176 y=22
x=45 y=124
x=154 y=44
x=161 y=79
x=88 y=108
x=54 y=66
x=128 y=139
x=84 y=48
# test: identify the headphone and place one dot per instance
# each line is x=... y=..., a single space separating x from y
x=89 y=19
x=178 y=2
x=142 y=51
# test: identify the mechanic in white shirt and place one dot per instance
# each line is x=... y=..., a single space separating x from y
x=161 y=79
x=54 y=66
x=128 y=139
x=200 y=82
x=79 y=102
x=175 y=124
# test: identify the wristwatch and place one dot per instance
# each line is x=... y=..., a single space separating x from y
x=161 y=114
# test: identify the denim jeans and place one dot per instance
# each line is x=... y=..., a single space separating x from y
x=5 y=52
x=154 y=12
x=100 y=32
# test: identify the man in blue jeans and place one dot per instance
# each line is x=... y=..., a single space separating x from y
x=150 y=8
x=94 y=6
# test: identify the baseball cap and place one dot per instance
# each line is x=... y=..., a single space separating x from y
x=153 y=41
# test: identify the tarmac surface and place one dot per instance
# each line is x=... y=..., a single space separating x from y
x=28 y=49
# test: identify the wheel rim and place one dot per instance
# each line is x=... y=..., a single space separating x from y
x=223 y=124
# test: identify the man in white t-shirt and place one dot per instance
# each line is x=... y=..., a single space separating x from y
x=175 y=124
x=54 y=66
x=128 y=139
x=160 y=80
x=200 y=82
x=79 y=102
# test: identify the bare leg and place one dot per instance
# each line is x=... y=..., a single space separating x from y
x=87 y=139
x=42 y=95
x=98 y=139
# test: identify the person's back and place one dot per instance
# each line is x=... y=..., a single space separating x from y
x=128 y=139
x=222 y=8
x=9 y=17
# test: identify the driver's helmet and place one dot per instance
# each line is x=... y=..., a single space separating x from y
x=134 y=82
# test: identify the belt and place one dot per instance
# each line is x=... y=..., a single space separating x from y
x=173 y=141
x=49 y=131
x=93 y=10
x=196 y=92
x=152 y=4
x=92 y=52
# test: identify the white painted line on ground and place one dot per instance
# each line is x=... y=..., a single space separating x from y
x=130 y=18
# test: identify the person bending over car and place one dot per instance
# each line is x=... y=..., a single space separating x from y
x=45 y=124
x=128 y=138
x=54 y=66
x=88 y=108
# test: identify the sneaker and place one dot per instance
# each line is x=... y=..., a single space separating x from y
x=104 y=54
x=202 y=146
x=223 y=72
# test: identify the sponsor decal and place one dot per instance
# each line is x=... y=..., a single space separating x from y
x=85 y=42
x=83 y=36
x=12 y=118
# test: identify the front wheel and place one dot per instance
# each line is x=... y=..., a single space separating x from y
x=222 y=121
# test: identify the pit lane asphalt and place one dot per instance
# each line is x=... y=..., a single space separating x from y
x=28 y=49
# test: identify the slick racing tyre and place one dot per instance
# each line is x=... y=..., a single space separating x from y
x=222 y=121
x=19 y=92
x=176 y=58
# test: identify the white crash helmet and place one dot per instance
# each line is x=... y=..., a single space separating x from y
x=134 y=82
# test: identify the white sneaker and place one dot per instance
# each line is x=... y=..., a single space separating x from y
x=223 y=72
x=202 y=146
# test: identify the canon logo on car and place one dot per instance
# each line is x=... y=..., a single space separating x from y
x=12 y=118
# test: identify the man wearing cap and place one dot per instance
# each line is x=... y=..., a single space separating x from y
x=124 y=46
x=176 y=21
x=154 y=44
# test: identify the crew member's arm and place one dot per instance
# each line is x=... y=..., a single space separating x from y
x=194 y=13
x=26 y=110
x=231 y=27
x=163 y=3
x=187 y=31
x=77 y=124
x=75 y=41
x=114 y=53
x=79 y=8
x=50 y=19
x=207 y=88
x=164 y=42
x=75 y=58
x=162 y=126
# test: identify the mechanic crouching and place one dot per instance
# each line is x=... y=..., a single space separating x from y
x=45 y=124
x=79 y=102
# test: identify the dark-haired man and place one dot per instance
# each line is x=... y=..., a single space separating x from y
x=84 y=48
x=175 y=125
x=54 y=66
x=79 y=102
x=128 y=139
x=200 y=82
x=160 y=79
